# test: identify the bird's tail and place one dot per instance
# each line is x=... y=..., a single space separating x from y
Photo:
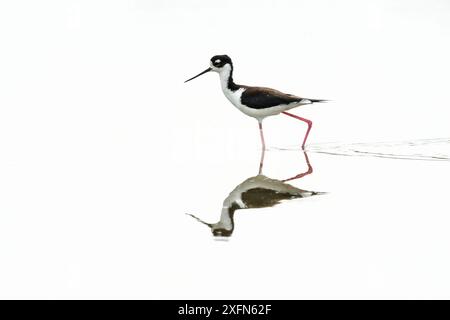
x=318 y=100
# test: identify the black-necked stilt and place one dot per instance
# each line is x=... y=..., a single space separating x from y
x=257 y=192
x=256 y=102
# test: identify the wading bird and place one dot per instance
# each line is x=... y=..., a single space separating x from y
x=256 y=102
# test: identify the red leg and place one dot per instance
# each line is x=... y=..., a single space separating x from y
x=301 y=175
x=261 y=161
x=308 y=122
x=261 y=133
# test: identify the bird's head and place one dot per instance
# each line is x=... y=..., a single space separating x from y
x=218 y=64
x=219 y=230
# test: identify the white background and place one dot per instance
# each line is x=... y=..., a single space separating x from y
x=103 y=149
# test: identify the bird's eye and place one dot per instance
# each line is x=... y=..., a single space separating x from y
x=217 y=62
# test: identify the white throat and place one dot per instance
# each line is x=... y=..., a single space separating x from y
x=225 y=220
x=224 y=74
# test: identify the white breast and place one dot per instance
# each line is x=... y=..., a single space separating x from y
x=235 y=98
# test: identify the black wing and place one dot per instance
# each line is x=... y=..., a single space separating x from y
x=261 y=98
x=262 y=198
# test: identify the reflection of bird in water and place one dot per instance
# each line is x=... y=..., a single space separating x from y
x=256 y=192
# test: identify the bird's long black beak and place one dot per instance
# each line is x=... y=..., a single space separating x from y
x=203 y=72
x=199 y=220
